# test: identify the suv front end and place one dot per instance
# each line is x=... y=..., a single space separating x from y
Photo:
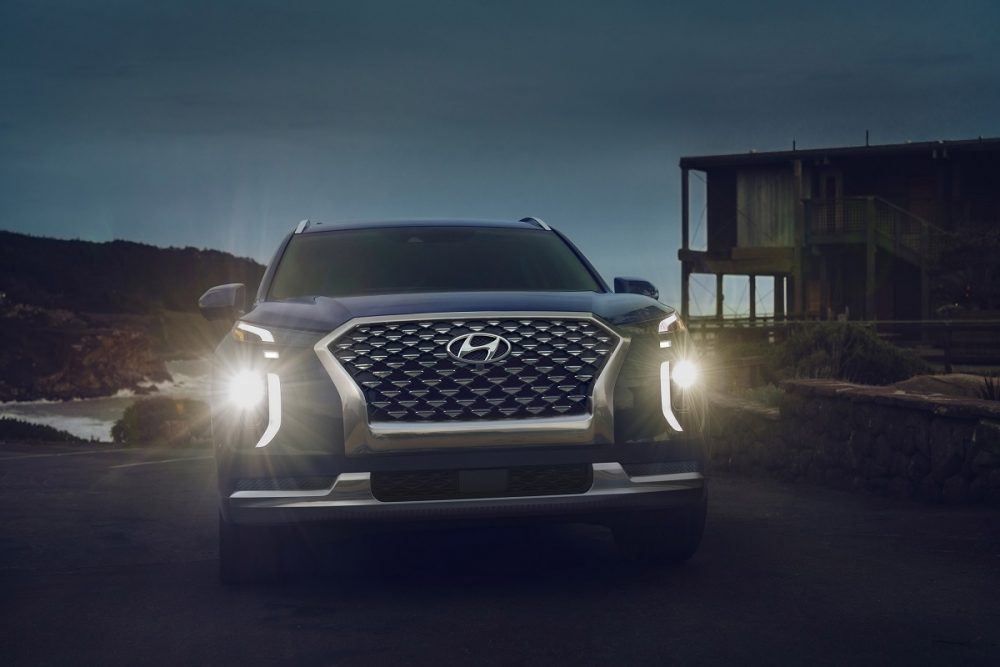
x=415 y=402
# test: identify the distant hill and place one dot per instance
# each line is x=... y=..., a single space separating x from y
x=82 y=319
x=114 y=277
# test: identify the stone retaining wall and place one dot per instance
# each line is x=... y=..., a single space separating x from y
x=875 y=438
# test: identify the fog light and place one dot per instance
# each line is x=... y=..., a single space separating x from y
x=685 y=374
x=246 y=389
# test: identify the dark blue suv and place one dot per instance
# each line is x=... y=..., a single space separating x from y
x=451 y=369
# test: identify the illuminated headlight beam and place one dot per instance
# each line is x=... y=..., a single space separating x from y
x=246 y=390
x=685 y=374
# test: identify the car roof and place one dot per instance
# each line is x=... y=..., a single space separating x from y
x=315 y=227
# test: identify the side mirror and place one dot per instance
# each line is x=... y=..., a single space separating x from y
x=636 y=286
x=224 y=302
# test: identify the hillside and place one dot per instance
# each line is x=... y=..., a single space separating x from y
x=114 y=277
x=82 y=319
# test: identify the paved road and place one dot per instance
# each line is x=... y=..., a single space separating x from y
x=109 y=558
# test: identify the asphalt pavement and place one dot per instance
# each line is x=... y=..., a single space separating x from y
x=109 y=558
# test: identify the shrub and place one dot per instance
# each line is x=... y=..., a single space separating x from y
x=990 y=390
x=844 y=351
x=17 y=430
x=766 y=394
x=163 y=421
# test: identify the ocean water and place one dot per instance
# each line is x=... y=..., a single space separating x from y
x=92 y=418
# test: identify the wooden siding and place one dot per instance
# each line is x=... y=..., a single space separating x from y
x=721 y=212
x=765 y=199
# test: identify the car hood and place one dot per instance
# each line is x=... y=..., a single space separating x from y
x=324 y=314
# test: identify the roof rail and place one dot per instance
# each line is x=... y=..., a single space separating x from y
x=538 y=222
x=302 y=226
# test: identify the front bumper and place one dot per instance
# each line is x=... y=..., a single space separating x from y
x=350 y=498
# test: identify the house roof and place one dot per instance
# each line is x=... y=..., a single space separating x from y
x=934 y=148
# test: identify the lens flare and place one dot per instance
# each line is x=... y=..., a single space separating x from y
x=685 y=374
x=246 y=389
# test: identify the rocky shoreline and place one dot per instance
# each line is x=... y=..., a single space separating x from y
x=59 y=355
x=80 y=319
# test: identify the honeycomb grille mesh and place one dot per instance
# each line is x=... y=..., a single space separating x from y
x=407 y=375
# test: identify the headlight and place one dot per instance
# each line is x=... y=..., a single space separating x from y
x=254 y=386
x=666 y=329
x=246 y=390
x=685 y=374
x=242 y=329
x=245 y=333
x=668 y=324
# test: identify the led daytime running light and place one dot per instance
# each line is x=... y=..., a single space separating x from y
x=667 y=323
x=262 y=333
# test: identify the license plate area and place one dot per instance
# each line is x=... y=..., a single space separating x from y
x=483 y=482
x=520 y=481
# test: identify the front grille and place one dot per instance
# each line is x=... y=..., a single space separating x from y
x=407 y=375
x=497 y=483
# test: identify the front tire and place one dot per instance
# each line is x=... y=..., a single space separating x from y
x=661 y=537
x=248 y=554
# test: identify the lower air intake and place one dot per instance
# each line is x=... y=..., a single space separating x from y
x=492 y=483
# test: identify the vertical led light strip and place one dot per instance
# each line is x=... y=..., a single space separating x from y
x=273 y=410
x=668 y=409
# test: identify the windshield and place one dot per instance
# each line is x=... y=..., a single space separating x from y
x=428 y=259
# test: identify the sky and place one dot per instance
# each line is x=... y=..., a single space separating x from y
x=222 y=124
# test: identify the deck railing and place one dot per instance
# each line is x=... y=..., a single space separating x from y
x=847 y=220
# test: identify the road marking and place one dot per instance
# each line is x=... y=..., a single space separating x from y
x=45 y=456
x=149 y=463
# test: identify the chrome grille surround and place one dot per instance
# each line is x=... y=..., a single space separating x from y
x=369 y=428
x=406 y=373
